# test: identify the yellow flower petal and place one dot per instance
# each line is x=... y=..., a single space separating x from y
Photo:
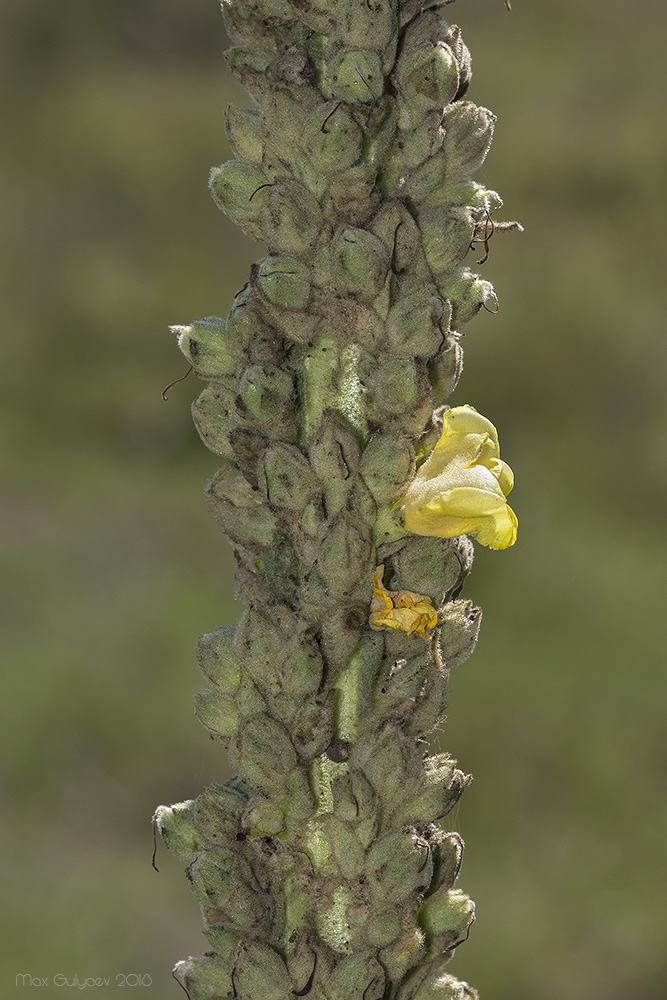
x=462 y=486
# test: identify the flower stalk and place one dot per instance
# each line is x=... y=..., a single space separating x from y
x=348 y=490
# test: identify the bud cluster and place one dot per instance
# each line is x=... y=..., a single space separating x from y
x=321 y=869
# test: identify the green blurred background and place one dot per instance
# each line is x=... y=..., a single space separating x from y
x=112 y=115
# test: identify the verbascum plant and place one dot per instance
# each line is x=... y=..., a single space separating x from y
x=350 y=492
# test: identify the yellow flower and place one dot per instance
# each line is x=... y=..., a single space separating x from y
x=462 y=486
x=401 y=609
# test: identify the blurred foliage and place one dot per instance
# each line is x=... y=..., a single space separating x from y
x=112 y=116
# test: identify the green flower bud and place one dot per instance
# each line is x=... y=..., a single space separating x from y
x=286 y=478
x=446 y=916
x=393 y=389
x=468 y=135
x=217 y=712
x=204 y=345
x=382 y=926
x=447 y=235
x=447 y=851
x=444 y=371
x=240 y=190
x=261 y=974
x=214 y=419
x=239 y=509
x=248 y=333
x=416 y=324
x=414 y=147
x=397 y=866
x=334 y=458
x=263 y=818
x=250 y=65
x=204 y=977
x=400 y=685
x=347 y=850
x=243 y=126
x=454 y=40
x=387 y=465
x=218 y=811
x=357 y=977
x=333 y=140
x=222 y=878
x=399 y=232
x=279 y=654
x=283 y=288
x=218 y=659
x=356 y=77
x=345 y=554
x=249 y=445
x=264 y=391
x=382 y=758
x=282 y=569
x=441 y=986
x=467 y=293
x=353 y=197
x=427 y=79
x=360 y=263
x=176 y=826
x=224 y=938
x=459 y=624
x=283 y=282
x=264 y=754
x=291 y=217
x=442 y=786
x=424 y=186
x=404 y=953
x=300 y=804
x=430 y=566
x=362 y=25
x=430 y=708
x=248 y=699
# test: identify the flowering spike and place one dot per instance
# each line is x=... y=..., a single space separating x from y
x=320 y=868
